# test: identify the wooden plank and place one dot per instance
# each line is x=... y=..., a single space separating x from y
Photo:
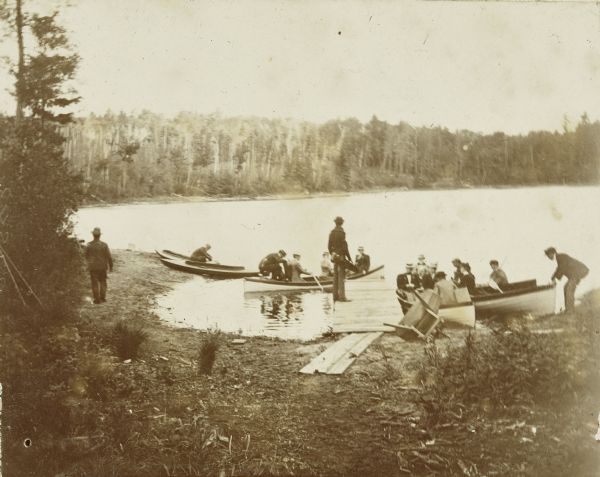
x=341 y=354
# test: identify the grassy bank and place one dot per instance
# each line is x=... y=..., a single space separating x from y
x=510 y=402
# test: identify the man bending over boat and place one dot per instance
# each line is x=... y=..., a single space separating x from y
x=273 y=264
x=568 y=267
x=201 y=254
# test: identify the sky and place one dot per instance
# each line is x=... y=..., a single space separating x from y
x=483 y=66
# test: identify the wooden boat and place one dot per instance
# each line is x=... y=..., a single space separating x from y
x=422 y=317
x=460 y=312
x=190 y=267
x=168 y=254
x=537 y=300
x=260 y=285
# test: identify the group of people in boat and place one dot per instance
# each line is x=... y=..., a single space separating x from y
x=425 y=276
x=278 y=266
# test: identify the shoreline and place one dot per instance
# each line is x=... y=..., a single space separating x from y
x=256 y=414
x=178 y=198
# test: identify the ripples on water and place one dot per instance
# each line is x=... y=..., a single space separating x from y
x=202 y=304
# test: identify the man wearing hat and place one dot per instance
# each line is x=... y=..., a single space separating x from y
x=362 y=260
x=568 y=267
x=408 y=281
x=421 y=265
x=338 y=248
x=99 y=261
x=428 y=279
x=273 y=264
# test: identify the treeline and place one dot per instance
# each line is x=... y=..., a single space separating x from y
x=125 y=156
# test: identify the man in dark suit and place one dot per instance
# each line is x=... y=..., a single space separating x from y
x=408 y=281
x=99 y=260
x=568 y=267
x=362 y=261
x=340 y=255
x=274 y=265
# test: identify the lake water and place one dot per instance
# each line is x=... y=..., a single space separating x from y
x=513 y=226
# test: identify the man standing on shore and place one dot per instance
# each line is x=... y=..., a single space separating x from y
x=340 y=255
x=99 y=261
x=568 y=267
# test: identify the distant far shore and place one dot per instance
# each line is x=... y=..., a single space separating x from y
x=94 y=201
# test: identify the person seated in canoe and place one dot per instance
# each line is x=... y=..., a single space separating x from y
x=428 y=279
x=273 y=265
x=201 y=254
x=296 y=269
x=498 y=277
x=326 y=265
x=362 y=261
x=457 y=262
x=409 y=280
x=421 y=268
x=444 y=288
x=467 y=279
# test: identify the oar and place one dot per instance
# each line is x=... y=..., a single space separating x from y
x=495 y=286
x=318 y=282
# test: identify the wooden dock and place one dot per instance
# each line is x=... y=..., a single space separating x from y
x=367 y=311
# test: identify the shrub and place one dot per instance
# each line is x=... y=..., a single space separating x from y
x=128 y=340
x=207 y=354
x=505 y=369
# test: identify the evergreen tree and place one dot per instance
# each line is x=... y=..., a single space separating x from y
x=41 y=192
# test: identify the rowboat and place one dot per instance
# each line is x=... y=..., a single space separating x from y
x=461 y=311
x=168 y=254
x=190 y=267
x=537 y=300
x=260 y=285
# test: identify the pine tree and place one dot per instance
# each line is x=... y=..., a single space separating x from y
x=41 y=192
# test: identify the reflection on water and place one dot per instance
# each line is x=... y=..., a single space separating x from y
x=203 y=304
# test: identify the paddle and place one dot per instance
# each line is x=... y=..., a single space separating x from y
x=495 y=286
x=318 y=282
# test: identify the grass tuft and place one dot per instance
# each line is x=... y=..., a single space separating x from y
x=128 y=340
x=207 y=354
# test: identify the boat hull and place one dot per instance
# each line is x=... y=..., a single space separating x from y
x=263 y=285
x=169 y=255
x=461 y=313
x=539 y=300
x=183 y=266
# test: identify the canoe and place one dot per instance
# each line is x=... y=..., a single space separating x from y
x=168 y=254
x=461 y=312
x=190 y=267
x=260 y=285
x=537 y=300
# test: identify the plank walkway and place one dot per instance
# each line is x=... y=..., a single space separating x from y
x=341 y=354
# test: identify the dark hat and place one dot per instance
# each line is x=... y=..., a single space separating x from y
x=550 y=250
x=338 y=220
x=282 y=253
x=296 y=255
x=96 y=231
x=493 y=262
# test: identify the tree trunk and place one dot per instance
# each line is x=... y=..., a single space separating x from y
x=21 y=64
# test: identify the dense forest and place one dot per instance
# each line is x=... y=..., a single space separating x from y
x=124 y=156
